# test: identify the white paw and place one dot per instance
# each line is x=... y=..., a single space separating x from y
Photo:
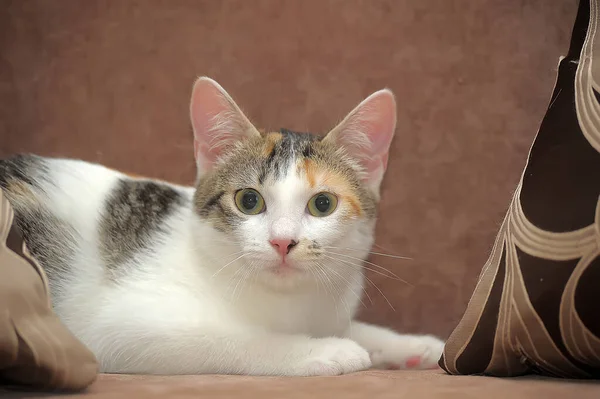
x=334 y=356
x=409 y=352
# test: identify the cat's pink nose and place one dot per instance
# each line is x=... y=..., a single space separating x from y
x=283 y=245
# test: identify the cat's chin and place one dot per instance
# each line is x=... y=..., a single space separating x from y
x=284 y=277
x=284 y=269
x=285 y=274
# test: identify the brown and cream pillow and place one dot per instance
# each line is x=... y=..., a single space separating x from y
x=535 y=307
x=36 y=350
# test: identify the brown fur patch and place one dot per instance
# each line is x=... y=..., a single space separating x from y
x=20 y=188
x=20 y=194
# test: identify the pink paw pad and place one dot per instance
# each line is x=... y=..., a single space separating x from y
x=413 y=362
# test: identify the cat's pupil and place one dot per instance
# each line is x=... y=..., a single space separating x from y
x=249 y=200
x=322 y=203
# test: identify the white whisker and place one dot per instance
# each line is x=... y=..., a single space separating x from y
x=372 y=283
x=323 y=273
x=227 y=264
x=242 y=280
x=349 y=284
x=381 y=292
x=373 y=253
x=393 y=277
x=314 y=276
x=365 y=261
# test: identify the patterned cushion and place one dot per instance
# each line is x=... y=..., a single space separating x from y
x=534 y=309
x=35 y=348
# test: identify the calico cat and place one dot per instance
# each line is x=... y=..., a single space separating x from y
x=249 y=272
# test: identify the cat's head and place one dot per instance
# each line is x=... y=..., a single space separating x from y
x=293 y=204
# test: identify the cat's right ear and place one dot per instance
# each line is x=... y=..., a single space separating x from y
x=217 y=122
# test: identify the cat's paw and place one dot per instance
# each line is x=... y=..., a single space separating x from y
x=334 y=356
x=409 y=352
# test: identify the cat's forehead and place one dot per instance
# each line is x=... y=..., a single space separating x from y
x=270 y=159
x=281 y=149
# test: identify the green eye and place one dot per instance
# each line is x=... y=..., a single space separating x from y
x=249 y=201
x=322 y=204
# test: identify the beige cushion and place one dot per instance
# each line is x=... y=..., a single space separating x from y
x=35 y=348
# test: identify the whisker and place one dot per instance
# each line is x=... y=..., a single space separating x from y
x=349 y=283
x=344 y=302
x=374 y=285
x=234 y=276
x=227 y=256
x=227 y=264
x=322 y=272
x=340 y=296
x=365 y=261
x=218 y=242
x=255 y=271
x=382 y=248
x=392 y=275
x=242 y=280
x=234 y=253
x=374 y=253
x=314 y=276
x=381 y=292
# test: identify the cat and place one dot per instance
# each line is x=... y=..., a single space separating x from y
x=249 y=272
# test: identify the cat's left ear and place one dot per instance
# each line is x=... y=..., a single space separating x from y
x=366 y=134
x=217 y=122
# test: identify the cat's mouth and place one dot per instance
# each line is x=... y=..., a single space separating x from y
x=284 y=268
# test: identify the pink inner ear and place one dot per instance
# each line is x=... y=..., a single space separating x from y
x=378 y=116
x=366 y=134
x=385 y=160
x=204 y=157
x=373 y=119
x=376 y=164
x=209 y=104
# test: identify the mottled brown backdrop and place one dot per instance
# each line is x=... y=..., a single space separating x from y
x=109 y=81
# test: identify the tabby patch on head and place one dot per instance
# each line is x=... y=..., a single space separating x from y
x=289 y=191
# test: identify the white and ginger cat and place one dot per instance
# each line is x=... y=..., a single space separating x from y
x=248 y=272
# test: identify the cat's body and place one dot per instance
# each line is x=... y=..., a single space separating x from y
x=237 y=275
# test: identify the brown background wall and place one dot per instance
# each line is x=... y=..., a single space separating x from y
x=109 y=81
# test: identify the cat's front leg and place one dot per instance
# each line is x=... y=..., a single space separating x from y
x=328 y=356
x=390 y=350
x=189 y=351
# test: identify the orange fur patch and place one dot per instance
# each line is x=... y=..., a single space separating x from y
x=310 y=171
x=353 y=201
x=271 y=140
x=134 y=175
x=340 y=185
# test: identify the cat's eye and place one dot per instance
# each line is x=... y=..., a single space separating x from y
x=322 y=204
x=249 y=201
